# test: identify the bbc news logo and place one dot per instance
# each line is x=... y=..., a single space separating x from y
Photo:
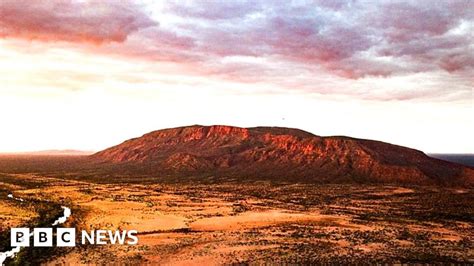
x=66 y=237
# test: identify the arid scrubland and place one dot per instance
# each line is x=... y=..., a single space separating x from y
x=255 y=222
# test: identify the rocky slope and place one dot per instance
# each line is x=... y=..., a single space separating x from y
x=281 y=154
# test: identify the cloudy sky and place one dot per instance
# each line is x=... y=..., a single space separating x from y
x=90 y=74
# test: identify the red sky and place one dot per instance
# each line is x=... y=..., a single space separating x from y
x=88 y=74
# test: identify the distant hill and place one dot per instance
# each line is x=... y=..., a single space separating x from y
x=466 y=159
x=274 y=153
x=58 y=153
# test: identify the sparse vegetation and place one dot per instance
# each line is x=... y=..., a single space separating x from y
x=245 y=222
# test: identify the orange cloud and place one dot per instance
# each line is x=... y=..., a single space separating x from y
x=73 y=21
x=277 y=43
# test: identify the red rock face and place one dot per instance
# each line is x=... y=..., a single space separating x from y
x=281 y=154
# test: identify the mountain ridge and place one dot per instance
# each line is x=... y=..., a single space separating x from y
x=281 y=153
x=52 y=152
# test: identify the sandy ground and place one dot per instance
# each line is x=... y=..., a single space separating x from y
x=13 y=216
x=191 y=226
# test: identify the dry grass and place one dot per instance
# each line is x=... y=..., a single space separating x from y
x=186 y=224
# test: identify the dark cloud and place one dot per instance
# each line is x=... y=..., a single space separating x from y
x=217 y=10
x=75 y=21
x=400 y=21
x=349 y=38
x=346 y=39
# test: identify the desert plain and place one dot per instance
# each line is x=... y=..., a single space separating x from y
x=252 y=222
